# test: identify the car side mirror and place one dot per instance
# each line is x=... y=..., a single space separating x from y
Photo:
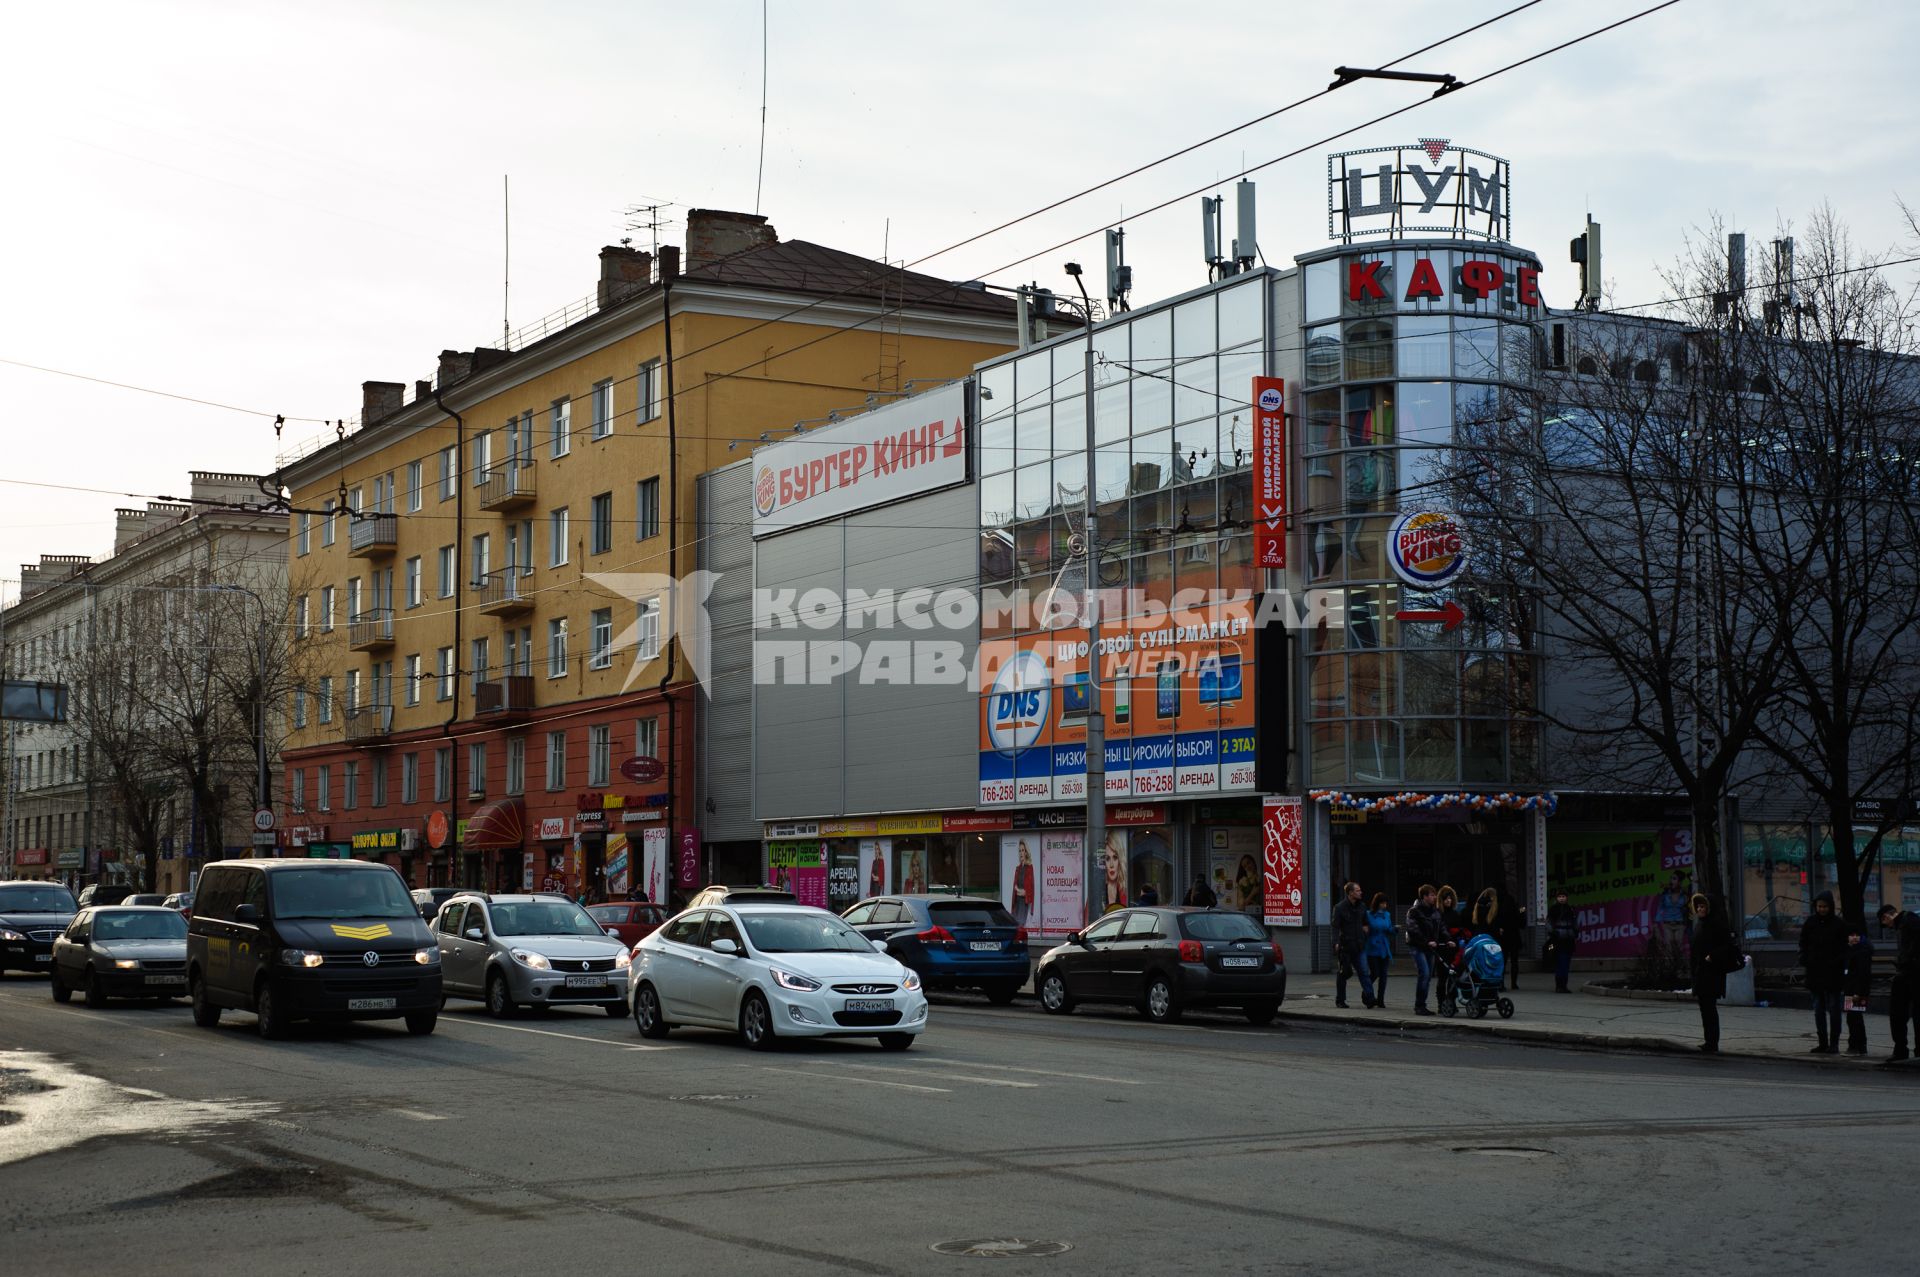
x=878 y=942
x=1074 y=937
x=475 y=933
x=611 y=930
x=249 y=914
x=724 y=945
x=426 y=913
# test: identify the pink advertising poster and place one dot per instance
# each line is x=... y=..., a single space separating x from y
x=1282 y=884
x=653 y=864
x=1062 y=903
x=800 y=867
x=1629 y=887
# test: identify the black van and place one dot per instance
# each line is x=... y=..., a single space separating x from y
x=310 y=940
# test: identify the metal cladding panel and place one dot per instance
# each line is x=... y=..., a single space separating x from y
x=726 y=712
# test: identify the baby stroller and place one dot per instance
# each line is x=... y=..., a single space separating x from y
x=1479 y=976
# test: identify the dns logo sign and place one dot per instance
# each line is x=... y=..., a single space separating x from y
x=1017 y=707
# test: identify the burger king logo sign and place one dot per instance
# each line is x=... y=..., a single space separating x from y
x=1427 y=548
x=764 y=491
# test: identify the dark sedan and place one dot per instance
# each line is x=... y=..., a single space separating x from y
x=122 y=951
x=952 y=942
x=32 y=914
x=1166 y=961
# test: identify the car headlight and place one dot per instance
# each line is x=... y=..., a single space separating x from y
x=302 y=957
x=909 y=979
x=8 y=933
x=426 y=957
x=127 y=964
x=791 y=980
x=622 y=960
x=538 y=961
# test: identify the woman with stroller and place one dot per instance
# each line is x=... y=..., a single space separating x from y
x=1379 y=950
x=1453 y=925
x=1714 y=952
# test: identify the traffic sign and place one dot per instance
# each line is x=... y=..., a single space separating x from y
x=263 y=840
x=263 y=819
x=643 y=769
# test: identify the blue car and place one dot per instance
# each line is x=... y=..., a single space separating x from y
x=951 y=942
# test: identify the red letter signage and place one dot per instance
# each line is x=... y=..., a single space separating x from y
x=1363 y=281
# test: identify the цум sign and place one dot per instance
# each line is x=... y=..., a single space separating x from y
x=907 y=448
x=1430 y=188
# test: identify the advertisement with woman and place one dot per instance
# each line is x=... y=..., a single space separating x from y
x=874 y=854
x=1017 y=880
x=1113 y=864
x=1051 y=868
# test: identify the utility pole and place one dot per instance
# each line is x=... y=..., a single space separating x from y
x=1096 y=717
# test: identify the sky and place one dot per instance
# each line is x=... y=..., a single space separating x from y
x=264 y=205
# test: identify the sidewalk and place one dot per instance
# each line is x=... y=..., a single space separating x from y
x=1609 y=1023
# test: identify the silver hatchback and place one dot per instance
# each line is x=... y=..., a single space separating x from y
x=515 y=951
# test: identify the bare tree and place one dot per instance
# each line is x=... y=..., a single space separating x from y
x=113 y=740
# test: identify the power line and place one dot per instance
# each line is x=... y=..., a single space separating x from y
x=164 y=394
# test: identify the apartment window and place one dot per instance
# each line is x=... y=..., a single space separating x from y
x=478 y=672
x=350 y=785
x=409 y=778
x=305 y=535
x=410 y=689
x=556 y=760
x=377 y=782
x=325 y=698
x=646 y=737
x=603 y=523
x=444 y=671
x=519 y=653
x=357 y=500
x=646 y=509
x=449 y=472
x=482 y=558
x=326 y=608
x=646 y=640
x=353 y=691
x=517 y=765
x=557 y=534
x=647 y=388
x=326 y=522
x=603 y=409
x=300 y=617
x=443 y=774
x=557 y=647
x=520 y=546
x=380 y=683
x=415 y=586
x=446 y=571
x=323 y=787
x=513 y=440
x=297 y=790
x=524 y=457
x=477 y=769
x=415 y=477
x=355 y=599
x=299 y=707
x=560 y=418
x=599 y=754
x=600 y=638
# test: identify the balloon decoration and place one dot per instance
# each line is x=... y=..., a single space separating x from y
x=1547 y=803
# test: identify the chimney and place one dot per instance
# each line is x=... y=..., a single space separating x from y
x=422 y=390
x=222 y=487
x=485 y=357
x=128 y=526
x=715 y=233
x=380 y=399
x=454 y=365
x=623 y=272
x=669 y=261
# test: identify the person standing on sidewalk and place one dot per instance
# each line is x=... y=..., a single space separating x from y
x=1350 y=946
x=1379 y=944
x=1823 y=957
x=1425 y=934
x=1563 y=933
x=1906 y=973
x=1857 y=987
x=1714 y=950
x=1486 y=914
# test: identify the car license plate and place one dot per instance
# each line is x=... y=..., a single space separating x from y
x=1239 y=962
x=586 y=982
x=869 y=1004
x=370 y=1004
x=166 y=979
x=986 y=944
x=43 y=957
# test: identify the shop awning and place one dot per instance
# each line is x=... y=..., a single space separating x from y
x=497 y=824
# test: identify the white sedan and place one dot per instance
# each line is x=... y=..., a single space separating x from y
x=772 y=971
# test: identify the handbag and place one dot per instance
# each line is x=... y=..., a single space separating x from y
x=1728 y=960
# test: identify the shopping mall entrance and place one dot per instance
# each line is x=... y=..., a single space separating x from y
x=1399 y=850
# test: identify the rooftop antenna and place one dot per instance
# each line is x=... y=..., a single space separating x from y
x=1210 y=235
x=1119 y=274
x=506 y=258
x=761 y=173
x=1585 y=250
x=1245 y=244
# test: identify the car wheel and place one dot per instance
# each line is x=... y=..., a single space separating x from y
x=1262 y=1012
x=61 y=993
x=499 y=1005
x=1053 y=994
x=420 y=1023
x=268 y=1011
x=205 y=1014
x=90 y=989
x=895 y=1041
x=756 y=1022
x=1158 y=1003
x=1001 y=994
x=646 y=1013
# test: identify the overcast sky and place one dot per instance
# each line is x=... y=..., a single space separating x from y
x=265 y=204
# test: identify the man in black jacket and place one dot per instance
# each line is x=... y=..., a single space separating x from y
x=1350 y=946
x=1906 y=973
x=1823 y=957
x=1563 y=934
x=1426 y=933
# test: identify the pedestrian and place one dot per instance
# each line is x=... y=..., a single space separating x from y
x=1350 y=946
x=1200 y=895
x=1857 y=988
x=1563 y=935
x=1511 y=932
x=1149 y=895
x=1486 y=914
x=1715 y=955
x=1379 y=944
x=1823 y=959
x=1448 y=902
x=1426 y=932
x=1453 y=922
x=1905 y=926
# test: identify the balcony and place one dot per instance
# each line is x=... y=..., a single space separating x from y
x=508 y=697
x=504 y=487
x=368 y=724
x=373 y=537
x=370 y=630
x=505 y=593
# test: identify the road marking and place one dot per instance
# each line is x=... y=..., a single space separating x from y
x=1083 y=1077
x=958 y=1077
x=571 y=1037
x=419 y=1116
x=863 y=1081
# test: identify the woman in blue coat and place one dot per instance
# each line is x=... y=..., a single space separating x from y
x=1379 y=951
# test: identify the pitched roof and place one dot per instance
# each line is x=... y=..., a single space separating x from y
x=803 y=267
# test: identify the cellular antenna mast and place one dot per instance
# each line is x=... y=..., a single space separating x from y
x=761 y=172
x=506 y=257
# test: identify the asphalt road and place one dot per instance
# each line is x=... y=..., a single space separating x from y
x=133 y=1142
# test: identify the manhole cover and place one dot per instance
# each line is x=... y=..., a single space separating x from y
x=1001 y=1248
x=698 y=1099
x=1504 y=1150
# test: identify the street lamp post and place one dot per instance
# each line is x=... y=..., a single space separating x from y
x=1096 y=716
